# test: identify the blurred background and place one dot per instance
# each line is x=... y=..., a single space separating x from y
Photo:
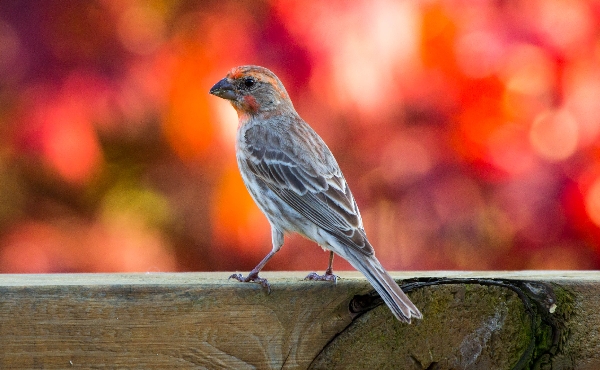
x=468 y=131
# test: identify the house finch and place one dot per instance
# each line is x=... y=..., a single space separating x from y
x=296 y=182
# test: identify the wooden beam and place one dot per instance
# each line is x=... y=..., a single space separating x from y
x=472 y=320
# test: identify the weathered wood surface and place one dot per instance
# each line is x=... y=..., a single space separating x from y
x=479 y=320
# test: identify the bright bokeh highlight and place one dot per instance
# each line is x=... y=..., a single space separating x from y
x=469 y=132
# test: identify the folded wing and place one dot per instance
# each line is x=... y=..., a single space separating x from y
x=308 y=181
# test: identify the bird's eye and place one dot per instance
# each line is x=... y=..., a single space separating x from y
x=249 y=82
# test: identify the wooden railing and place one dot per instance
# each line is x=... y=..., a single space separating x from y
x=472 y=320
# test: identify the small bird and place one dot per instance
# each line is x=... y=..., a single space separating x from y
x=296 y=182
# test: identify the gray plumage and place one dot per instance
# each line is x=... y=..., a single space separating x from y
x=295 y=180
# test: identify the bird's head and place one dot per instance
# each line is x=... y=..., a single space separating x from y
x=253 y=90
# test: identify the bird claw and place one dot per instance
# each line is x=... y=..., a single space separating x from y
x=328 y=276
x=252 y=278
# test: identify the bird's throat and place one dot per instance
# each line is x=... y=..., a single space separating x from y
x=245 y=107
x=250 y=104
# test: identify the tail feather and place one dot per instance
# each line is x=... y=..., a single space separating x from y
x=388 y=289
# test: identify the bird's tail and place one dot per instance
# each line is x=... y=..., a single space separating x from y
x=383 y=283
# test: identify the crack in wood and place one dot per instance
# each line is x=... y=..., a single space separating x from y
x=539 y=301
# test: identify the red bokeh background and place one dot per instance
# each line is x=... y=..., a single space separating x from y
x=468 y=131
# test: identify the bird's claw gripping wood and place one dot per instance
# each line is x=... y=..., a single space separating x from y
x=253 y=278
x=327 y=276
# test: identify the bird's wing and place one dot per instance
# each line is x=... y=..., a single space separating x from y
x=301 y=170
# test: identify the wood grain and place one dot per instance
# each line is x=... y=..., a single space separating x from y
x=202 y=320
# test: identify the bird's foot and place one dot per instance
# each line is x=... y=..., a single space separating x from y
x=253 y=278
x=328 y=276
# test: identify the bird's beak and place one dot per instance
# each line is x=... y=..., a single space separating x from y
x=223 y=89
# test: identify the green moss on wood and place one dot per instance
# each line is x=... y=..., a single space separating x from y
x=464 y=326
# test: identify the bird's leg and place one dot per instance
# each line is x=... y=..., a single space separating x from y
x=253 y=275
x=277 y=237
x=328 y=276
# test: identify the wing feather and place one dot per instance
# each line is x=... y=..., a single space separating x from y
x=309 y=182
